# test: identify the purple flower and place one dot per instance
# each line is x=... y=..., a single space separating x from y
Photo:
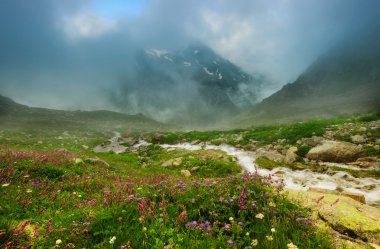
x=227 y=227
x=230 y=243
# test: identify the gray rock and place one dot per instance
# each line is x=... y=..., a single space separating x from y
x=312 y=141
x=358 y=139
x=172 y=162
x=185 y=172
x=334 y=151
x=291 y=155
x=270 y=154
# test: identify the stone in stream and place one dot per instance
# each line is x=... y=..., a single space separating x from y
x=335 y=151
x=270 y=154
x=291 y=155
x=356 y=196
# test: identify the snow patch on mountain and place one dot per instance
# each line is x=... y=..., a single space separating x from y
x=207 y=71
x=156 y=52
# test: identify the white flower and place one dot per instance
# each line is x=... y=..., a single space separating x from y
x=270 y=238
x=79 y=196
x=5 y=185
x=273 y=230
x=259 y=216
x=247 y=234
x=58 y=241
x=254 y=242
x=231 y=219
x=112 y=240
x=292 y=246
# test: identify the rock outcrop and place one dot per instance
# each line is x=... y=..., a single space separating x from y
x=335 y=151
x=343 y=214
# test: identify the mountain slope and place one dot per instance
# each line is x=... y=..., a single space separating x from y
x=15 y=115
x=192 y=85
x=345 y=80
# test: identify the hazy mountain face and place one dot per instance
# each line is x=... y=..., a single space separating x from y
x=92 y=54
x=345 y=80
x=186 y=85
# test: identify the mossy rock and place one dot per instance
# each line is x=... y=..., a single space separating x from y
x=347 y=216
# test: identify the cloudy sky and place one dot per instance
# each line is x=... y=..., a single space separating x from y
x=66 y=53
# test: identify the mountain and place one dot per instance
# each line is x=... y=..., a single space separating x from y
x=345 y=80
x=190 y=85
x=14 y=115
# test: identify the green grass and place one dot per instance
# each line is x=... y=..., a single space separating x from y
x=264 y=134
x=145 y=211
x=144 y=204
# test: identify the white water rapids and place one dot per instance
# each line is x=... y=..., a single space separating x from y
x=297 y=179
x=293 y=179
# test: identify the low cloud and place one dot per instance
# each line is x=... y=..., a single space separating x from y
x=76 y=49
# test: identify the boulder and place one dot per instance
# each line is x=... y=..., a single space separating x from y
x=185 y=172
x=343 y=214
x=334 y=151
x=358 y=139
x=270 y=154
x=172 y=162
x=311 y=141
x=291 y=155
x=355 y=196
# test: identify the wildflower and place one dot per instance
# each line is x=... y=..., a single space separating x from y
x=335 y=234
x=144 y=229
x=247 y=234
x=112 y=240
x=19 y=230
x=273 y=230
x=231 y=219
x=240 y=224
x=37 y=231
x=292 y=246
x=319 y=199
x=269 y=237
x=335 y=202
x=227 y=227
x=242 y=199
x=230 y=243
x=58 y=241
x=259 y=216
x=5 y=185
x=254 y=242
x=29 y=191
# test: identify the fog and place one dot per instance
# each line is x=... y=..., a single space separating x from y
x=69 y=54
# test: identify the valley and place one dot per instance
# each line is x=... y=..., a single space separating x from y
x=179 y=186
